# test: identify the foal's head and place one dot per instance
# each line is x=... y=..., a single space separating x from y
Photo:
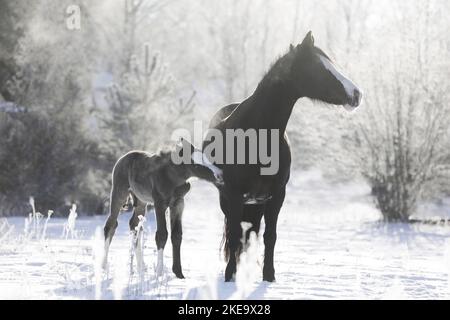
x=315 y=76
x=198 y=165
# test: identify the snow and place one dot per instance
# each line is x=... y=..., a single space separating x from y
x=331 y=245
x=11 y=107
x=160 y=263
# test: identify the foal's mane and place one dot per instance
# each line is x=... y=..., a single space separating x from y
x=154 y=161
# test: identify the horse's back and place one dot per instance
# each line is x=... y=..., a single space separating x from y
x=221 y=114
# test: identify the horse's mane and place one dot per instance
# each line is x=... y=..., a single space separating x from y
x=279 y=69
x=321 y=52
x=282 y=66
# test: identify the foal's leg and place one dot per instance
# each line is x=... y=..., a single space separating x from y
x=119 y=196
x=139 y=210
x=161 y=234
x=270 y=234
x=176 y=212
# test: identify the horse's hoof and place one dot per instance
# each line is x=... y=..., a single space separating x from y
x=229 y=275
x=269 y=279
x=177 y=271
x=269 y=275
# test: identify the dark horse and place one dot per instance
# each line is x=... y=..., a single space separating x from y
x=305 y=71
x=156 y=179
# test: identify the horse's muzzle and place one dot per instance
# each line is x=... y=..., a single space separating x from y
x=357 y=98
x=353 y=101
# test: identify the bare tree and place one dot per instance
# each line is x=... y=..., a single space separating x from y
x=402 y=140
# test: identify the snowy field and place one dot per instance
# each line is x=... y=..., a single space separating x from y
x=331 y=245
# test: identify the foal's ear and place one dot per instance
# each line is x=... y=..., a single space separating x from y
x=187 y=143
x=309 y=40
x=184 y=144
x=291 y=47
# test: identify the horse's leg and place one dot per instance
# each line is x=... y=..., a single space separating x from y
x=253 y=214
x=119 y=196
x=161 y=234
x=138 y=210
x=270 y=234
x=176 y=212
x=223 y=203
x=233 y=232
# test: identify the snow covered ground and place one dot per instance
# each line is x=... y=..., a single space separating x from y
x=330 y=245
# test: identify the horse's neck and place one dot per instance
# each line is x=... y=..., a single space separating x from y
x=269 y=107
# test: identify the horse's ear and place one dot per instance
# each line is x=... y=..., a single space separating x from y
x=309 y=40
x=291 y=47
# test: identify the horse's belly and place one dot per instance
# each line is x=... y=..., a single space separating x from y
x=251 y=198
x=143 y=192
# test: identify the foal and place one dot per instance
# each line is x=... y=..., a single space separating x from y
x=154 y=178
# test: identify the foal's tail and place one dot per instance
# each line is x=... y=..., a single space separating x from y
x=121 y=171
x=119 y=185
x=121 y=181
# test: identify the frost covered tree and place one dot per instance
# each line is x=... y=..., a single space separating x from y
x=142 y=110
x=142 y=107
x=45 y=152
x=12 y=21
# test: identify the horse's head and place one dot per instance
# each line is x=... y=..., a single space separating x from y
x=316 y=77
